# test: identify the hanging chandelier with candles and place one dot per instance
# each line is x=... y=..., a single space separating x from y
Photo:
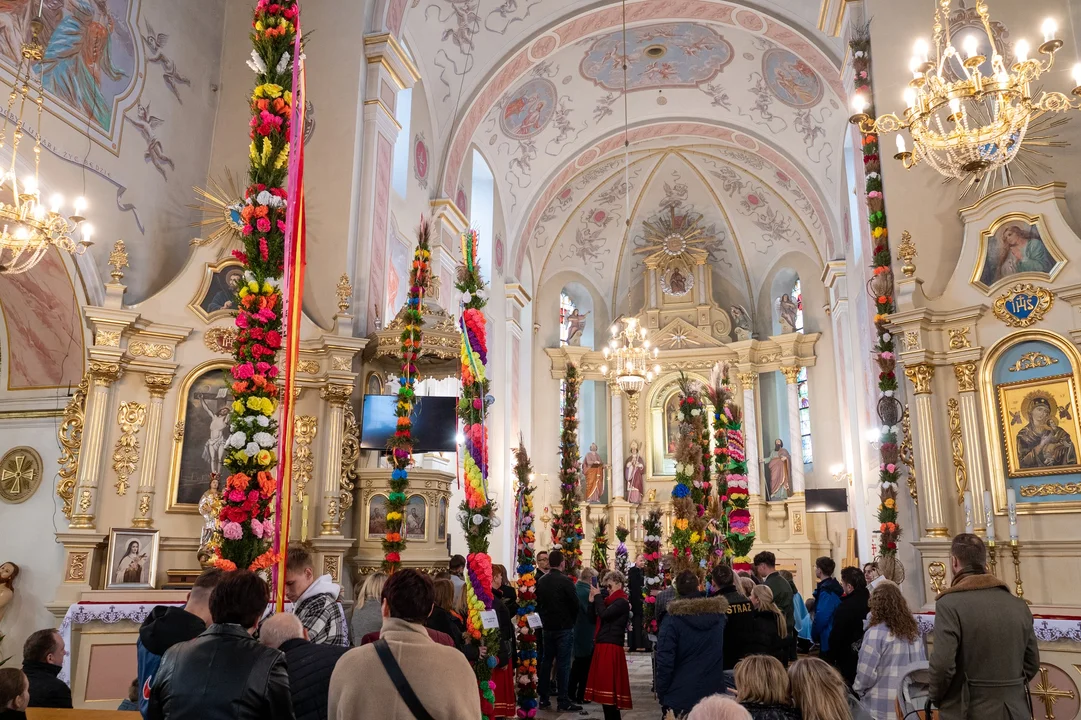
x=970 y=116
x=28 y=228
x=631 y=354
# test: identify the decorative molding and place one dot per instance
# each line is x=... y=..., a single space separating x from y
x=767 y=358
x=912 y=340
x=69 y=435
x=118 y=260
x=76 y=569
x=332 y=565
x=161 y=351
x=20 y=474
x=937 y=572
x=632 y=410
x=957 y=445
x=178 y=432
x=336 y=394
x=350 y=456
x=344 y=292
x=921 y=376
x=105 y=373
x=1023 y=304
x=107 y=338
x=220 y=339
x=904 y=454
x=144 y=505
x=310 y=367
x=966 y=376
x=130 y=417
x=747 y=380
x=342 y=364
x=158 y=384
x=791 y=374
x=1032 y=360
x=959 y=338
x=304 y=427
x=86 y=499
x=1032 y=491
x=906 y=253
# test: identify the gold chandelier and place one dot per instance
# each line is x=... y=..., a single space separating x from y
x=27 y=227
x=631 y=352
x=971 y=121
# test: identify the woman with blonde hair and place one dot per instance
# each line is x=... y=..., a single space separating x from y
x=891 y=643
x=762 y=688
x=368 y=612
x=746 y=585
x=819 y=692
x=770 y=626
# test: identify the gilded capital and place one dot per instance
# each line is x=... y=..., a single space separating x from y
x=158 y=384
x=791 y=374
x=921 y=376
x=747 y=380
x=104 y=373
x=336 y=394
x=966 y=376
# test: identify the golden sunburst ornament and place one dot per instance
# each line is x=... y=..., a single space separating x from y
x=674 y=243
x=220 y=205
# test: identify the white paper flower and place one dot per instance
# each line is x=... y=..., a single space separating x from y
x=466 y=297
x=264 y=439
x=283 y=63
x=886 y=337
x=696 y=412
x=478 y=519
x=252 y=449
x=237 y=440
x=262 y=421
x=256 y=64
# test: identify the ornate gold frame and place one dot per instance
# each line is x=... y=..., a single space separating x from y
x=1048 y=241
x=1010 y=446
x=209 y=271
x=427 y=513
x=171 y=505
x=446 y=525
x=992 y=429
x=155 y=536
x=368 y=515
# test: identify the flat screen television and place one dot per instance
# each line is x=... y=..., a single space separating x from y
x=435 y=423
x=827 y=500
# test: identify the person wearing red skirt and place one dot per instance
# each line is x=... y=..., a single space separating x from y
x=506 y=704
x=608 y=683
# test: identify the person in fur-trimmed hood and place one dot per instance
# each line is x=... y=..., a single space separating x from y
x=315 y=600
x=985 y=650
x=690 y=649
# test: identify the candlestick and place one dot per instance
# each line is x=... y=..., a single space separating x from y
x=969 y=527
x=989 y=516
x=1011 y=507
x=1015 y=550
x=992 y=563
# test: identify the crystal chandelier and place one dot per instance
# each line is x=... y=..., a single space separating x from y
x=968 y=118
x=631 y=352
x=27 y=227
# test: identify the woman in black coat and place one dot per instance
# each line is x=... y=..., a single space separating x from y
x=609 y=684
x=502 y=589
x=769 y=627
x=847 y=633
x=441 y=618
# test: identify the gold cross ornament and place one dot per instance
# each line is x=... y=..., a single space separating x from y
x=20 y=474
x=1044 y=691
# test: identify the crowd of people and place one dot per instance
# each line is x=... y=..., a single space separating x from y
x=727 y=647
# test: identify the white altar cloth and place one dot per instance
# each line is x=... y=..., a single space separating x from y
x=1049 y=628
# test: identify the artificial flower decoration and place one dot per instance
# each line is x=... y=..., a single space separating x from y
x=651 y=573
x=567 y=526
x=526 y=671
x=688 y=496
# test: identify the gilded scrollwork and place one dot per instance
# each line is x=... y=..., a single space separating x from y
x=130 y=417
x=957 y=446
x=304 y=429
x=178 y=432
x=912 y=340
x=70 y=436
x=350 y=456
x=959 y=338
x=104 y=373
x=158 y=384
x=342 y=364
x=904 y=453
x=140 y=348
x=107 y=338
x=632 y=410
x=966 y=376
x=311 y=367
x=747 y=380
x=76 y=571
x=1030 y=491
x=220 y=339
x=336 y=394
x=1031 y=361
x=937 y=572
x=791 y=374
x=920 y=376
x=344 y=291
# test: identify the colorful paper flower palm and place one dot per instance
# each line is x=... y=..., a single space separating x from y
x=526 y=671
x=651 y=572
x=567 y=526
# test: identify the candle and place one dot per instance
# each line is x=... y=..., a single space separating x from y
x=901 y=150
x=968 y=513
x=1050 y=27
x=1011 y=507
x=1020 y=50
x=989 y=516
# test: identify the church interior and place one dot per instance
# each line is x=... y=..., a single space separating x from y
x=665 y=195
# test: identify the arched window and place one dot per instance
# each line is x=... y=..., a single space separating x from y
x=801 y=383
x=566 y=307
x=797 y=296
x=482 y=212
x=403 y=112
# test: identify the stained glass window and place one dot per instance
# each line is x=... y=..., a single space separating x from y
x=801 y=385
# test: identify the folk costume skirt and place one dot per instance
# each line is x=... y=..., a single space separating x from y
x=505 y=703
x=608 y=682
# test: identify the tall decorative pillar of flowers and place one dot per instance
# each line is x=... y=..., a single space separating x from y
x=477 y=512
x=882 y=291
x=600 y=546
x=621 y=550
x=719 y=396
x=740 y=537
x=401 y=445
x=689 y=544
x=651 y=572
x=526 y=671
x=248 y=495
x=567 y=526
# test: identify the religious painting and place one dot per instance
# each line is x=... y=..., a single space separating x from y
x=791 y=79
x=1041 y=425
x=416 y=518
x=420 y=160
x=133 y=559
x=671 y=425
x=666 y=55
x=377 y=517
x=527 y=110
x=441 y=523
x=677 y=282
x=374 y=384
x=202 y=427
x=462 y=201
x=90 y=58
x=1016 y=247
x=216 y=297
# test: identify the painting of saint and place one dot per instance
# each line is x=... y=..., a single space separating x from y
x=441 y=525
x=528 y=109
x=1012 y=248
x=791 y=79
x=671 y=425
x=132 y=558
x=201 y=442
x=416 y=525
x=1040 y=421
x=377 y=517
x=221 y=295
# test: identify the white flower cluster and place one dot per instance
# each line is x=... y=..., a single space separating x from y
x=264 y=439
x=652 y=580
x=237 y=439
x=256 y=64
x=265 y=197
x=653 y=538
x=283 y=63
x=695 y=412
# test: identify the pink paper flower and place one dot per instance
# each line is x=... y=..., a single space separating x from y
x=232 y=531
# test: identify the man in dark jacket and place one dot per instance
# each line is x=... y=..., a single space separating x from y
x=225 y=674
x=740 y=615
x=690 y=648
x=827 y=597
x=557 y=604
x=985 y=650
x=765 y=566
x=43 y=659
x=847 y=633
x=309 y=665
x=167 y=626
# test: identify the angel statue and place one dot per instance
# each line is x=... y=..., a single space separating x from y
x=576 y=323
x=741 y=323
x=786 y=314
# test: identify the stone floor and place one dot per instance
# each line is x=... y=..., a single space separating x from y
x=645 y=703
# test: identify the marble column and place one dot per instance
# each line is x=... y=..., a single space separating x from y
x=934 y=525
x=103 y=375
x=615 y=447
x=158 y=385
x=750 y=434
x=336 y=397
x=795 y=438
x=970 y=430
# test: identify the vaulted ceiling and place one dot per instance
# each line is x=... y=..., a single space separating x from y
x=735 y=112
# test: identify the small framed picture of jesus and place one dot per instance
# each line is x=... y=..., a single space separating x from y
x=133 y=559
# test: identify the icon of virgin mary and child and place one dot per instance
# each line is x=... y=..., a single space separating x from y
x=1041 y=443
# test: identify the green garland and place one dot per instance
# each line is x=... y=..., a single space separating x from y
x=526 y=670
x=690 y=545
x=651 y=571
x=567 y=526
x=600 y=546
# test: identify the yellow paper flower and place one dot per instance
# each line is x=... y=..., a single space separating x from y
x=283 y=157
x=268 y=406
x=255 y=403
x=267 y=288
x=268 y=90
x=394 y=516
x=694 y=538
x=238 y=407
x=264 y=457
x=253 y=286
x=267 y=148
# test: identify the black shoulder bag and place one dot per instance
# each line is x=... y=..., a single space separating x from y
x=401 y=684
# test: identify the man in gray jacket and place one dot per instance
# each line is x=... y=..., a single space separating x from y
x=985 y=649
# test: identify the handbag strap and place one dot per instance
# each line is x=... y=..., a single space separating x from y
x=401 y=684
